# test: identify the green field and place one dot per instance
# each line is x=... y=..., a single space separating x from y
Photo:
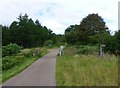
x=86 y=70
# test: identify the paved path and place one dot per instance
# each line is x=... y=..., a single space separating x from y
x=40 y=73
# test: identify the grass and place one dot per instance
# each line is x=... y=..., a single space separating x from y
x=0 y=70
x=18 y=68
x=0 y=65
x=86 y=70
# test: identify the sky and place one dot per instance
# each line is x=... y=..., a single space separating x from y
x=119 y=15
x=57 y=15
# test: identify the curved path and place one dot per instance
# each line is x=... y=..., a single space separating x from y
x=40 y=73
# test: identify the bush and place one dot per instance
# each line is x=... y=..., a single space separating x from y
x=69 y=51
x=48 y=43
x=11 y=49
x=32 y=52
x=36 y=52
x=61 y=44
x=82 y=50
x=10 y=62
x=85 y=49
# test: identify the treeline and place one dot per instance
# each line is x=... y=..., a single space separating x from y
x=92 y=30
x=27 y=33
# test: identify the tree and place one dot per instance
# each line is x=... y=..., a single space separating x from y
x=5 y=35
x=117 y=39
x=25 y=32
x=90 y=26
x=37 y=23
x=70 y=34
x=91 y=30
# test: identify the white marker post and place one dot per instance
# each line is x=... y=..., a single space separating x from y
x=60 y=50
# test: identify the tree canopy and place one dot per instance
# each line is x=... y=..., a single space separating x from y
x=25 y=32
x=93 y=30
x=90 y=30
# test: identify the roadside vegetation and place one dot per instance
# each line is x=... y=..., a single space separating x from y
x=14 y=63
x=19 y=42
x=77 y=67
x=80 y=63
x=0 y=65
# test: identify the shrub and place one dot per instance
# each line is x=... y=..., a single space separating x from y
x=61 y=43
x=32 y=52
x=86 y=49
x=11 y=49
x=48 y=43
x=36 y=52
x=82 y=50
x=10 y=62
x=69 y=51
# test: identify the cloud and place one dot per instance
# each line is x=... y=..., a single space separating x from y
x=119 y=15
x=59 y=14
x=55 y=25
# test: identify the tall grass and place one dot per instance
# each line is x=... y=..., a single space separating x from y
x=0 y=65
x=86 y=70
x=82 y=49
x=0 y=71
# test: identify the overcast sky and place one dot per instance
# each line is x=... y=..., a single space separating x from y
x=119 y=15
x=59 y=14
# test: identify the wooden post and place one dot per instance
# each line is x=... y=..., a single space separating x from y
x=60 y=52
x=101 y=54
x=97 y=54
x=101 y=51
x=108 y=56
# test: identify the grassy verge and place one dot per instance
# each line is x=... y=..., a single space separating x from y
x=86 y=70
x=27 y=61
x=0 y=65
x=0 y=71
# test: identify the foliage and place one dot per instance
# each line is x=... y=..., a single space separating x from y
x=90 y=30
x=48 y=43
x=12 y=65
x=11 y=49
x=10 y=62
x=113 y=44
x=31 y=52
x=61 y=44
x=70 y=34
x=81 y=49
x=0 y=65
x=25 y=32
x=58 y=39
x=87 y=49
x=117 y=37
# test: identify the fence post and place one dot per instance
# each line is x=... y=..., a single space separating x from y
x=60 y=50
x=108 y=56
x=101 y=51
